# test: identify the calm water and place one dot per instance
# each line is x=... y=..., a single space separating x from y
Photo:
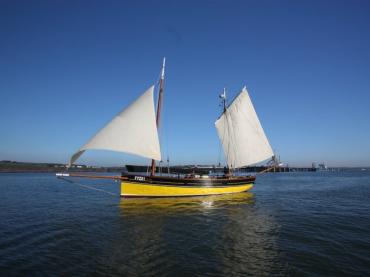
x=297 y=224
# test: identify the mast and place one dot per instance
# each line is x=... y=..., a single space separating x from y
x=223 y=100
x=223 y=96
x=159 y=106
x=228 y=171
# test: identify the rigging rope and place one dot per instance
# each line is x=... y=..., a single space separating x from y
x=88 y=187
x=267 y=170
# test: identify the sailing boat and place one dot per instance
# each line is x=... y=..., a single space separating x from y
x=135 y=130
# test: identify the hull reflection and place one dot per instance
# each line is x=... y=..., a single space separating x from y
x=183 y=205
x=223 y=235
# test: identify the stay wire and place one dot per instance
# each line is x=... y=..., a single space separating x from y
x=88 y=187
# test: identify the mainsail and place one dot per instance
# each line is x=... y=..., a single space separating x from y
x=132 y=131
x=241 y=134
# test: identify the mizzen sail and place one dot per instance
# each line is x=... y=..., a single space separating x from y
x=241 y=134
x=132 y=131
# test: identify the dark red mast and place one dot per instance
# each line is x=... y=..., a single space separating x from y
x=159 y=106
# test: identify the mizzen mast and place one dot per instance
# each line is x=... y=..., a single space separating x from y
x=159 y=106
x=223 y=99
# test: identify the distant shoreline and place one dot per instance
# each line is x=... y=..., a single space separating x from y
x=29 y=167
x=26 y=167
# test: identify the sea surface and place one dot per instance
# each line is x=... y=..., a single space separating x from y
x=290 y=224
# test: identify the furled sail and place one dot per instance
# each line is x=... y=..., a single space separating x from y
x=241 y=134
x=133 y=131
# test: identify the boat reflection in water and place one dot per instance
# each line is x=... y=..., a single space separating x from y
x=183 y=204
x=213 y=235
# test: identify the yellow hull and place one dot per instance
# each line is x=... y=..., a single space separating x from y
x=131 y=189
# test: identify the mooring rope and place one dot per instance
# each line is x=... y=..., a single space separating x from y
x=88 y=187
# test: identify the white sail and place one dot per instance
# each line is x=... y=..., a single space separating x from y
x=133 y=131
x=241 y=134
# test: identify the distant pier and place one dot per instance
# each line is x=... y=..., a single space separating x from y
x=277 y=169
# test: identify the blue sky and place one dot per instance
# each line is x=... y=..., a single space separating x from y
x=67 y=67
